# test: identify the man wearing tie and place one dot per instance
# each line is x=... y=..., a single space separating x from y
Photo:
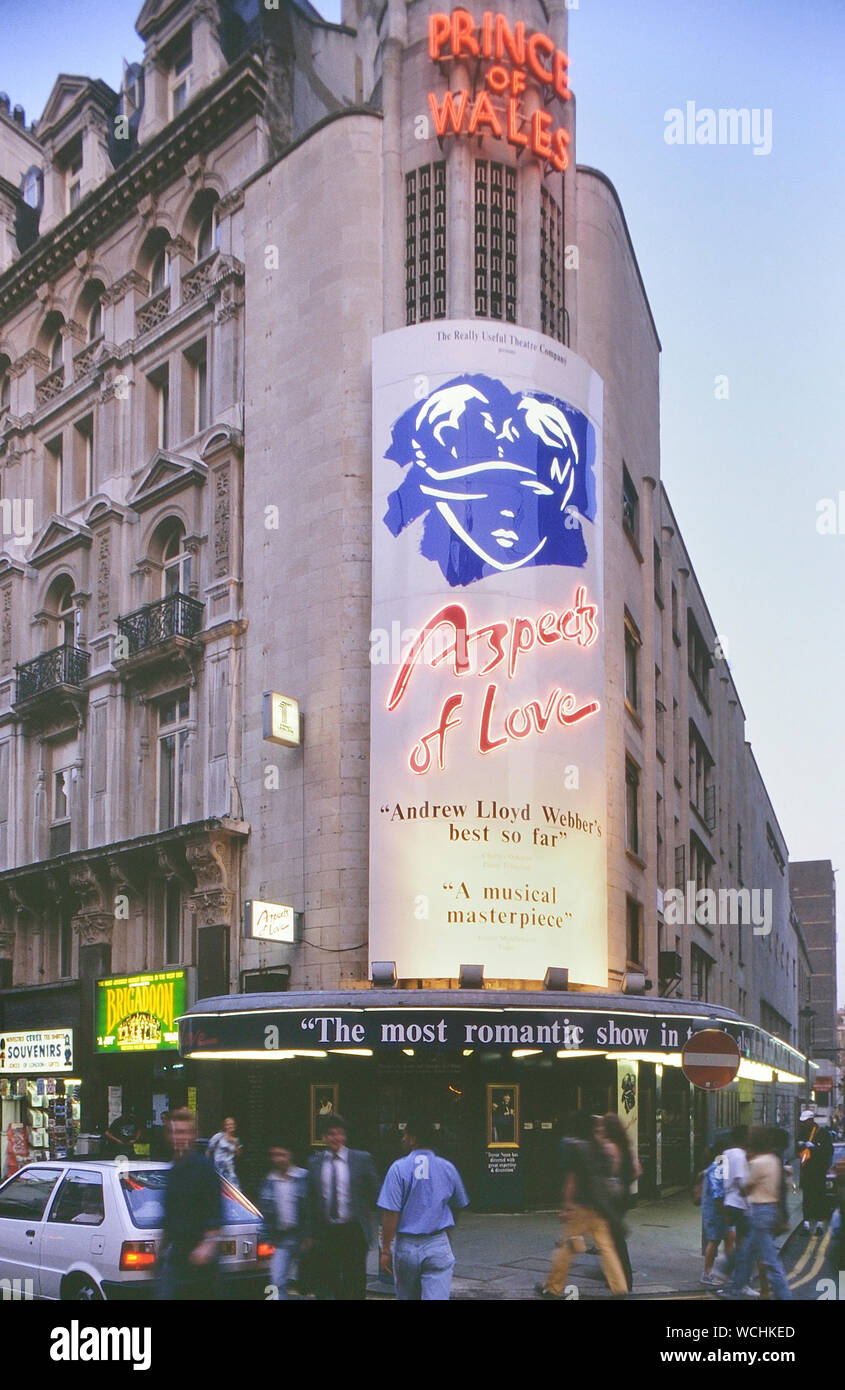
x=343 y=1184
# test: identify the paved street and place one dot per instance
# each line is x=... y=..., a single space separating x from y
x=504 y=1256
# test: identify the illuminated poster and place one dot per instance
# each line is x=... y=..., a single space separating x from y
x=487 y=782
x=137 y=1013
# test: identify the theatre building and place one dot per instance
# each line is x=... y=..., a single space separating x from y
x=359 y=706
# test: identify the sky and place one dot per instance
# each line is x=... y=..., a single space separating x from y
x=741 y=255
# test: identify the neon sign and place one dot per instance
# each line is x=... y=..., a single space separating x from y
x=506 y=642
x=514 y=58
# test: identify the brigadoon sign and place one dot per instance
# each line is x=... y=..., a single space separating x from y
x=487 y=768
x=137 y=1013
x=515 y=60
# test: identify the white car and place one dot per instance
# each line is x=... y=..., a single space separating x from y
x=92 y=1229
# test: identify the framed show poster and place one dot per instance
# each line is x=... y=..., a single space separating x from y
x=503 y=1117
x=324 y=1102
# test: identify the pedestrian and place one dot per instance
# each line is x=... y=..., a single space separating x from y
x=193 y=1215
x=623 y=1171
x=764 y=1190
x=713 y=1229
x=223 y=1149
x=419 y=1198
x=735 y=1204
x=122 y=1135
x=815 y=1155
x=343 y=1184
x=284 y=1204
x=585 y=1210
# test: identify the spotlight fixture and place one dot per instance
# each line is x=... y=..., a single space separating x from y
x=471 y=977
x=383 y=974
x=556 y=978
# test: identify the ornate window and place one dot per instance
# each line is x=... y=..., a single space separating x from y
x=495 y=241
x=425 y=243
x=552 y=311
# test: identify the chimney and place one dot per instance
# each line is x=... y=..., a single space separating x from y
x=5 y=103
x=19 y=116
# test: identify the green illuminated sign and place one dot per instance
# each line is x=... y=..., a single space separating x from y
x=137 y=1013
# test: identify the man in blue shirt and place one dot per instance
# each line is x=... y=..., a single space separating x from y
x=418 y=1201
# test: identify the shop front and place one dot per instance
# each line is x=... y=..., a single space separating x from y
x=39 y=1096
x=496 y=1072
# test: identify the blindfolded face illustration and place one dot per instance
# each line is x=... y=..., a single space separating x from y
x=504 y=480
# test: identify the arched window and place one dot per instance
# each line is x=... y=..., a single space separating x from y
x=160 y=272
x=56 y=350
x=5 y=385
x=95 y=321
x=63 y=613
x=176 y=577
x=208 y=237
x=32 y=188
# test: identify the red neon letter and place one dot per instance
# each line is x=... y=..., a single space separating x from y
x=453 y=614
x=420 y=759
x=560 y=157
x=561 y=76
x=540 y=142
x=450 y=112
x=439 y=29
x=483 y=114
x=543 y=42
x=487 y=34
x=512 y=41
x=463 y=26
x=514 y=133
x=498 y=78
x=485 y=743
x=522 y=640
x=568 y=714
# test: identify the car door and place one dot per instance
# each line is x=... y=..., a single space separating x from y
x=74 y=1231
x=23 y=1201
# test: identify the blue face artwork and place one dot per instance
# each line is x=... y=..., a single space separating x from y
x=503 y=479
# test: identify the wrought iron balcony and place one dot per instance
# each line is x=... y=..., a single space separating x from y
x=177 y=615
x=61 y=666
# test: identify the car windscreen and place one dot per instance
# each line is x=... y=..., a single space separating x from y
x=143 y=1191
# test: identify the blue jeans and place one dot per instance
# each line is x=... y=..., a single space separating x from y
x=422 y=1267
x=759 y=1248
x=280 y=1263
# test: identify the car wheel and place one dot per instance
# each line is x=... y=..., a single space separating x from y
x=86 y=1292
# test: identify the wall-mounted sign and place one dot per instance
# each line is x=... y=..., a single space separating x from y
x=43 y=1050
x=269 y=921
x=137 y=1013
x=281 y=722
x=487 y=766
x=514 y=60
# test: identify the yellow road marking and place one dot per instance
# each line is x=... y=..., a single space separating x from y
x=818 y=1262
x=800 y=1263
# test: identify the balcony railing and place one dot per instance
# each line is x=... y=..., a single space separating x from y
x=153 y=311
x=200 y=276
x=50 y=386
x=85 y=360
x=173 y=616
x=60 y=666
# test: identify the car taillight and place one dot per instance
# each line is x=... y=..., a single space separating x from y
x=137 y=1254
x=265 y=1249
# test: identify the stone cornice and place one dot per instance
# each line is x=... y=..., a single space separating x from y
x=238 y=93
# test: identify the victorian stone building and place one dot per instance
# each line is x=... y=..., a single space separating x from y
x=192 y=270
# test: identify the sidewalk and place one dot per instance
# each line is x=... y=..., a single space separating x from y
x=504 y=1256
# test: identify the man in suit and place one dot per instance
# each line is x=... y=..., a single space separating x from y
x=343 y=1186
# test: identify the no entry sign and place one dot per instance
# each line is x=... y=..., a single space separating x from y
x=710 y=1059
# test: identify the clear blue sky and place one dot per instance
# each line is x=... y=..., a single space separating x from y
x=742 y=258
